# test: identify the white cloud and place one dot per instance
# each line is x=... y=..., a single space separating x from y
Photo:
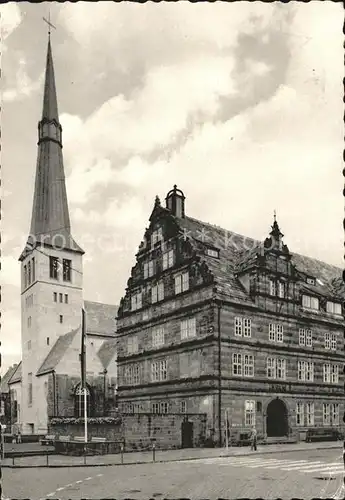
x=10 y=19
x=23 y=86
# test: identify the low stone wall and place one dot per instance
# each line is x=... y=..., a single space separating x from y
x=139 y=431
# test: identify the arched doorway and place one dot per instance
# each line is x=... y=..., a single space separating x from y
x=277 y=419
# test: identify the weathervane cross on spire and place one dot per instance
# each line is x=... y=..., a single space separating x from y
x=275 y=215
x=50 y=25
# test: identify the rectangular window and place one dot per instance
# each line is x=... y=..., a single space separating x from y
x=335 y=413
x=29 y=322
x=333 y=342
x=238 y=327
x=159 y=370
x=281 y=289
x=184 y=406
x=136 y=301
x=61 y=318
x=155 y=407
x=132 y=374
x=249 y=413
x=168 y=259
x=271 y=368
x=248 y=365
x=132 y=345
x=309 y=338
x=29 y=389
x=327 y=373
x=335 y=374
x=273 y=287
x=53 y=267
x=309 y=371
x=156 y=236
x=55 y=296
x=47 y=340
x=157 y=292
x=299 y=414
x=236 y=364
x=247 y=327
x=333 y=308
x=310 y=302
x=280 y=333
x=33 y=270
x=272 y=332
x=60 y=298
x=188 y=328
x=327 y=340
x=310 y=413
x=29 y=345
x=164 y=407
x=158 y=336
x=302 y=337
x=301 y=370
x=148 y=269
x=182 y=282
x=25 y=277
x=66 y=298
x=281 y=369
x=212 y=253
x=29 y=272
x=66 y=269
x=326 y=414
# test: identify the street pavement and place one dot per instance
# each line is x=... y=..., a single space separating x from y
x=305 y=474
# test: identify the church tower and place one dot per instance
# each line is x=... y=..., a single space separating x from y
x=51 y=264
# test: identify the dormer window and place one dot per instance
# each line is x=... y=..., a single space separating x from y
x=310 y=281
x=310 y=302
x=333 y=308
x=211 y=252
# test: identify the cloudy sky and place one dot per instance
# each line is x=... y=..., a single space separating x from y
x=238 y=103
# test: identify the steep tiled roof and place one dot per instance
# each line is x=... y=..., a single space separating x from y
x=6 y=378
x=237 y=251
x=17 y=375
x=100 y=318
x=57 y=351
x=107 y=351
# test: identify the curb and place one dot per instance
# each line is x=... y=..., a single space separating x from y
x=62 y=466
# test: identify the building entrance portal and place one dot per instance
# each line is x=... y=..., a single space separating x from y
x=277 y=419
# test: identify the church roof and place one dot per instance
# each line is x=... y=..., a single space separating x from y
x=100 y=318
x=236 y=251
x=50 y=107
x=6 y=378
x=57 y=352
x=107 y=351
x=50 y=221
x=17 y=375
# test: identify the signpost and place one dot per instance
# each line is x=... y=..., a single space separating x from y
x=83 y=372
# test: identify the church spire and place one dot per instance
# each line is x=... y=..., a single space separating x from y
x=50 y=222
x=50 y=108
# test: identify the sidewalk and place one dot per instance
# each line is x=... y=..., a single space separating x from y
x=162 y=456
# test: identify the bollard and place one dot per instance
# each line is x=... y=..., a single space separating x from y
x=47 y=458
x=121 y=453
x=154 y=452
x=84 y=455
x=12 y=460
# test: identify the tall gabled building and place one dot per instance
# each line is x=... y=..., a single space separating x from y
x=52 y=292
x=245 y=331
